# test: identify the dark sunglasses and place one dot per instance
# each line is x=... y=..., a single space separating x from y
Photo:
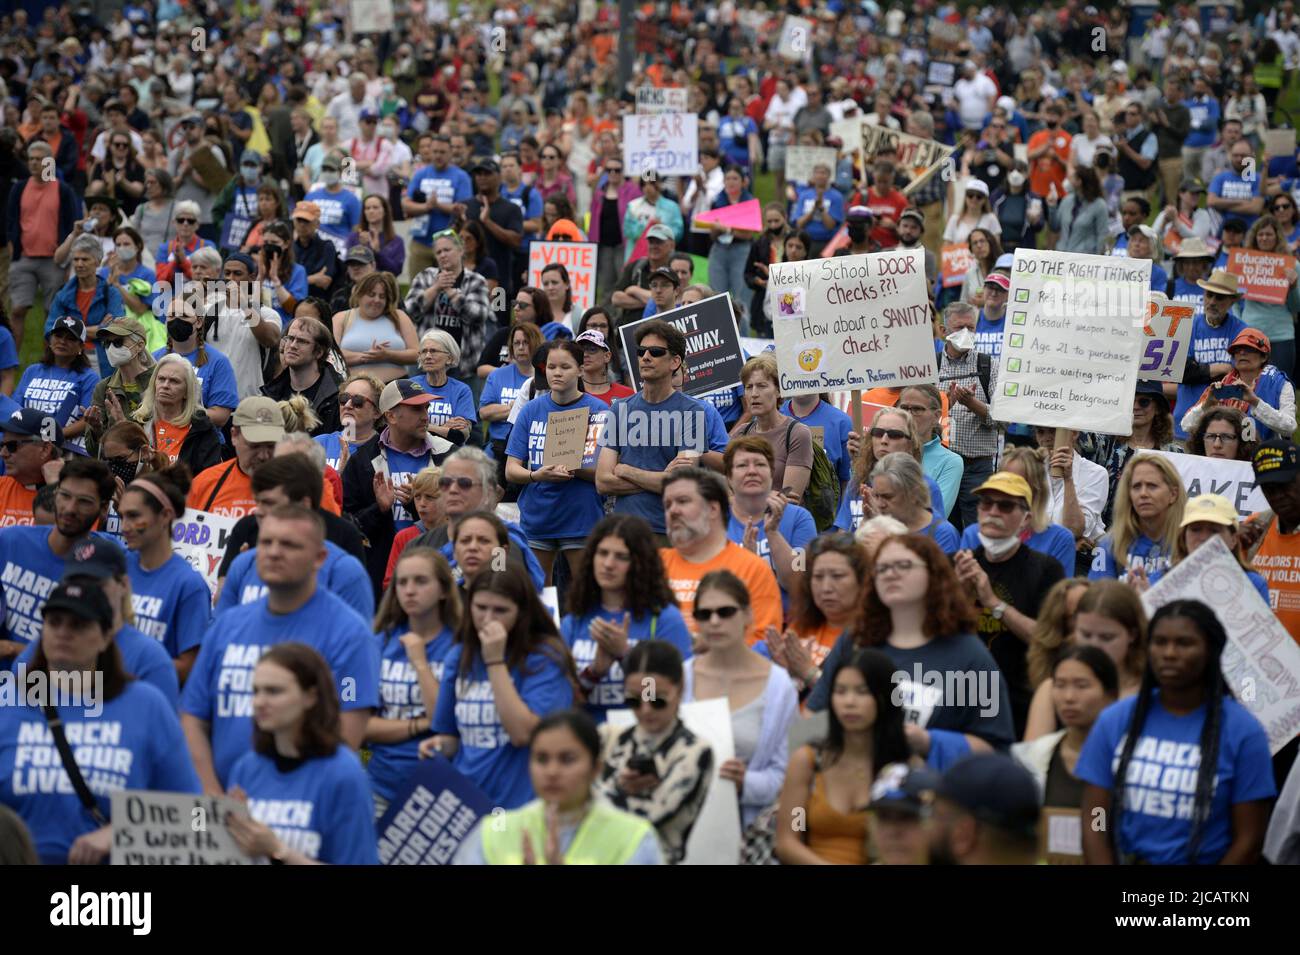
x=633 y=703
x=654 y=351
x=999 y=504
x=722 y=613
x=358 y=400
x=463 y=483
x=186 y=220
x=13 y=446
x=1144 y=401
x=612 y=169
x=892 y=433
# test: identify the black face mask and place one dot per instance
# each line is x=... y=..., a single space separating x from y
x=776 y=230
x=124 y=468
x=180 y=330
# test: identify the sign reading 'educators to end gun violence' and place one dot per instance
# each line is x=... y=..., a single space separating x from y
x=852 y=322
x=1071 y=340
x=713 y=355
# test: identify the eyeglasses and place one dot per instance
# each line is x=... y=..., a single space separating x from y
x=916 y=409
x=1001 y=505
x=359 y=400
x=654 y=351
x=722 y=613
x=186 y=220
x=11 y=447
x=1219 y=437
x=120 y=145
x=633 y=703
x=614 y=169
x=897 y=567
x=892 y=433
x=463 y=483
x=434 y=351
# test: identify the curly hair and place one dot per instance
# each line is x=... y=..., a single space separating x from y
x=1196 y=443
x=867 y=456
x=948 y=609
x=651 y=593
x=1051 y=629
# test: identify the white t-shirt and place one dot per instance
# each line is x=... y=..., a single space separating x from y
x=973 y=98
x=1091 y=487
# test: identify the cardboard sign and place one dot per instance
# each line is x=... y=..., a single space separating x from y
x=1262 y=274
x=566 y=438
x=713 y=354
x=430 y=816
x=1168 y=339
x=1060 y=839
x=200 y=537
x=1279 y=142
x=153 y=828
x=1234 y=480
x=957 y=260
x=919 y=158
x=800 y=160
x=666 y=143
x=661 y=99
x=1071 y=342
x=852 y=322
x=818 y=435
x=795 y=44
x=579 y=258
x=1261 y=661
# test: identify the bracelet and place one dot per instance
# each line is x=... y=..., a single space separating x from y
x=493 y=663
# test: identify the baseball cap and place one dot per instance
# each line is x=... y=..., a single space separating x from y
x=978 y=185
x=484 y=165
x=1152 y=388
x=1007 y=483
x=360 y=255
x=1142 y=229
x=663 y=273
x=33 y=423
x=124 y=327
x=659 y=231
x=1276 y=462
x=859 y=214
x=331 y=163
x=594 y=337
x=259 y=419
x=86 y=601
x=251 y=157
x=96 y=557
x=368 y=115
x=1191 y=185
x=1006 y=260
x=403 y=391
x=1007 y=103
x=1213 y=508
x=1251 y=338
x=903 y=788
x=994 y=789
x=307 y=210
x=192 y=119
x=70 y=324
x=1000 y=280
x=911 y=212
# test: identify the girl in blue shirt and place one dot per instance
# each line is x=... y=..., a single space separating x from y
x=1149 y=501
x=1181 y=771
x=416 y=625
x=308 y=798
x=559 y=505
x=509 y=669
x=62 y=383
x=609 y=615
x=503 y=385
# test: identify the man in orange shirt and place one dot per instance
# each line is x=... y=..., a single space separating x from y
x=227 y=488
x=696 y=511
x=1049 y=154
x=30 y=451
x=1277 y=472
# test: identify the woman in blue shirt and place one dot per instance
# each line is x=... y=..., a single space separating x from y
x=508 y=670
x=730 y=249
x=359 y=412
x=503 y=385
x=279 y=274
x=1181 y=771
x=452 y=414
x=140 y=744
x=609 y=614
x=308 y=798
x=62 y=383
x=899 y=490
x=416 y=627
x=1149 y=503
x=559 y=505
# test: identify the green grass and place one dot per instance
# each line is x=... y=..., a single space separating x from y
x=33 y=336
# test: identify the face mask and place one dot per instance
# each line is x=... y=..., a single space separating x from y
x=389 y=133
x=123 y=468
x=388 y=89
x=118 y=355
x=126 y=253
x=180 y=330
x=776 y=230
x=999 y=548
x=329 y=178
x=250 y=174
x=1015 y=179
x=963 y=339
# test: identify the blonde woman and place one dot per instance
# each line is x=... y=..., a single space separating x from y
x=975 y=213
x=791 y=441
x=1052 y=630
x=359 y=413
x=1149 y=504
x=891 y=430
x=374 y=334
x=174 y=417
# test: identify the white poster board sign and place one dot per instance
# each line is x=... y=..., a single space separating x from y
x=1168 y=339
x=1071 y=340
x=661 y=99
x=800 y=160
x=667 y=143
x=200 y=537
x=1234 y=480
x=371 y=16
x=156 y=828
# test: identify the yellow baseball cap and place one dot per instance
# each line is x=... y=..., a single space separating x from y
x=1010 y=484
x=1214 y=508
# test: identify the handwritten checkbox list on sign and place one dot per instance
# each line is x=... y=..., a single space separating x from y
x=1072 y=337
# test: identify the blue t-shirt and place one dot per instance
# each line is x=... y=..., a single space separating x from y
x=134 y=743
x=339 y=214
x=668 y=625
x=1142 y=551
x=797 y=527
x=295 y=286
x=648 y=436
x=9 y=352
x=333 y=445
x=550 y=510
x=62 y=393
x=1160 y=789
x=833 y=202
x=142 y=657
x=172 y=604
x=452 y=400
x=466 y=708
x=501 y=388
x=835 y=425
x=943 y=534
x=446 y=185
x=239 y=219
x=217 y=386
x=733 y=136
x=402 y=469
x=1054 y=540
x=1159 y=279
x=988 y=335
x=849 y=516
x=342 y=575
x=29 y=570
x=400 y=699
x=728 y=404
x=322 y=807
x=220 y=687
x=1208 y=345
x=1204 y=127
x=1229 y=185
x=517 y=538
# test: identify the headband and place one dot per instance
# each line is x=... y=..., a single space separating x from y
x=154 y=491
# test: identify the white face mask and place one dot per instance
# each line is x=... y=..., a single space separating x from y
x=999 y=548
x=118 y=355
x=1015 y=179
x=963 y=339
x=126 y=253
x=329 y=178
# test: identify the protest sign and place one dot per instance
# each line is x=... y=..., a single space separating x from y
x=715 y=837
x=371 y=16
x=1168 y=339
x=919 y=158
x=1261 y=662
x=848 y=131
x=754 y=346
x=1279 y=142
x=746 y=216
x=1060 y=837
x=852 y=322
x=665 y=143
x=1071 y=341
x=1262 y=274
x=941 y=73
x=795 y=43
x=800 y=160
x=430 y=816
x=579 y=258
x=661 y=99
x=566 y=438
x=1234 y=480
x=200 y=537
x=154 y=828
x=591 y=448
x=944 y=33
x=957 y=260
x=713 y=354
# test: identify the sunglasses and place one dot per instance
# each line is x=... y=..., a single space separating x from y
x=1145 y=401
x=186 y=220
x=120 y=145
x=633 y=703
x=12 y=447
x=722 y=613
x=463 y=483
x=1000 y=505
x=614 y=169
x=344 y=400
x=654 y=351
x=891 y=433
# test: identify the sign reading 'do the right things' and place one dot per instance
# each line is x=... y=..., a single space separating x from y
x=1071 y=341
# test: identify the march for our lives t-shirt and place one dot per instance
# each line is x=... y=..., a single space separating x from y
x=835 y=425
x=446 y=185
x=1160 y=784
x=333 y=445
x=342 y=575
x=400 y=699
x=729 y=404
x=322 y=807
x=797 y=527
x=217 y=385
x=452 y=400
x=220 y=687
x=1142 y=551
x=402 y=469
x=1208 y=345
x=29 y=570
x=339 y=214
x=988 y=335
x=668 y=625
x=172 y=604
x=467 y=708
x=134 y=743
x=1229 y=185
x=62 y=393
x=648 y=436
x=501 y=388
x=551 y=510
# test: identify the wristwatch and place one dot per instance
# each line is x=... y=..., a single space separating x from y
x=999 y=610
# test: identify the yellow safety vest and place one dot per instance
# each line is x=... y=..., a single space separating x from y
x=606 y=836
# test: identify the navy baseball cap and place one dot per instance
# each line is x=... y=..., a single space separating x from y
x=904 y=788
x=1276 y=462
x=95 y=557
x=994 y=789
x=34 y=423
x=83 y=599
x=403 y=391
x=69 y=324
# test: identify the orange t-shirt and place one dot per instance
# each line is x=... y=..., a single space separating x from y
x=818 y=642
x=39 y=218
x=1278 y=561
x=233 y=499
x=16 y=503
x=764 y=594
x=168 y=438
x=1044 y=172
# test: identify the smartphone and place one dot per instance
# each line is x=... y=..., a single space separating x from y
x=1229 y=392
x=643 y=763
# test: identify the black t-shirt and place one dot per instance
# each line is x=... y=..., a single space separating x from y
x=611 y=230
x=495 y=352
x=506 y=215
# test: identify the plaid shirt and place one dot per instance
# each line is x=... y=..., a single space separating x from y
x=969 y=435
x=932 y=190
x=468 y=319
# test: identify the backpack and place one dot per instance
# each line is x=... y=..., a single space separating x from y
x=821 y=497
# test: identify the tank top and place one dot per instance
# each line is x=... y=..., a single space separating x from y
x=839 y=838
x=361 y=332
